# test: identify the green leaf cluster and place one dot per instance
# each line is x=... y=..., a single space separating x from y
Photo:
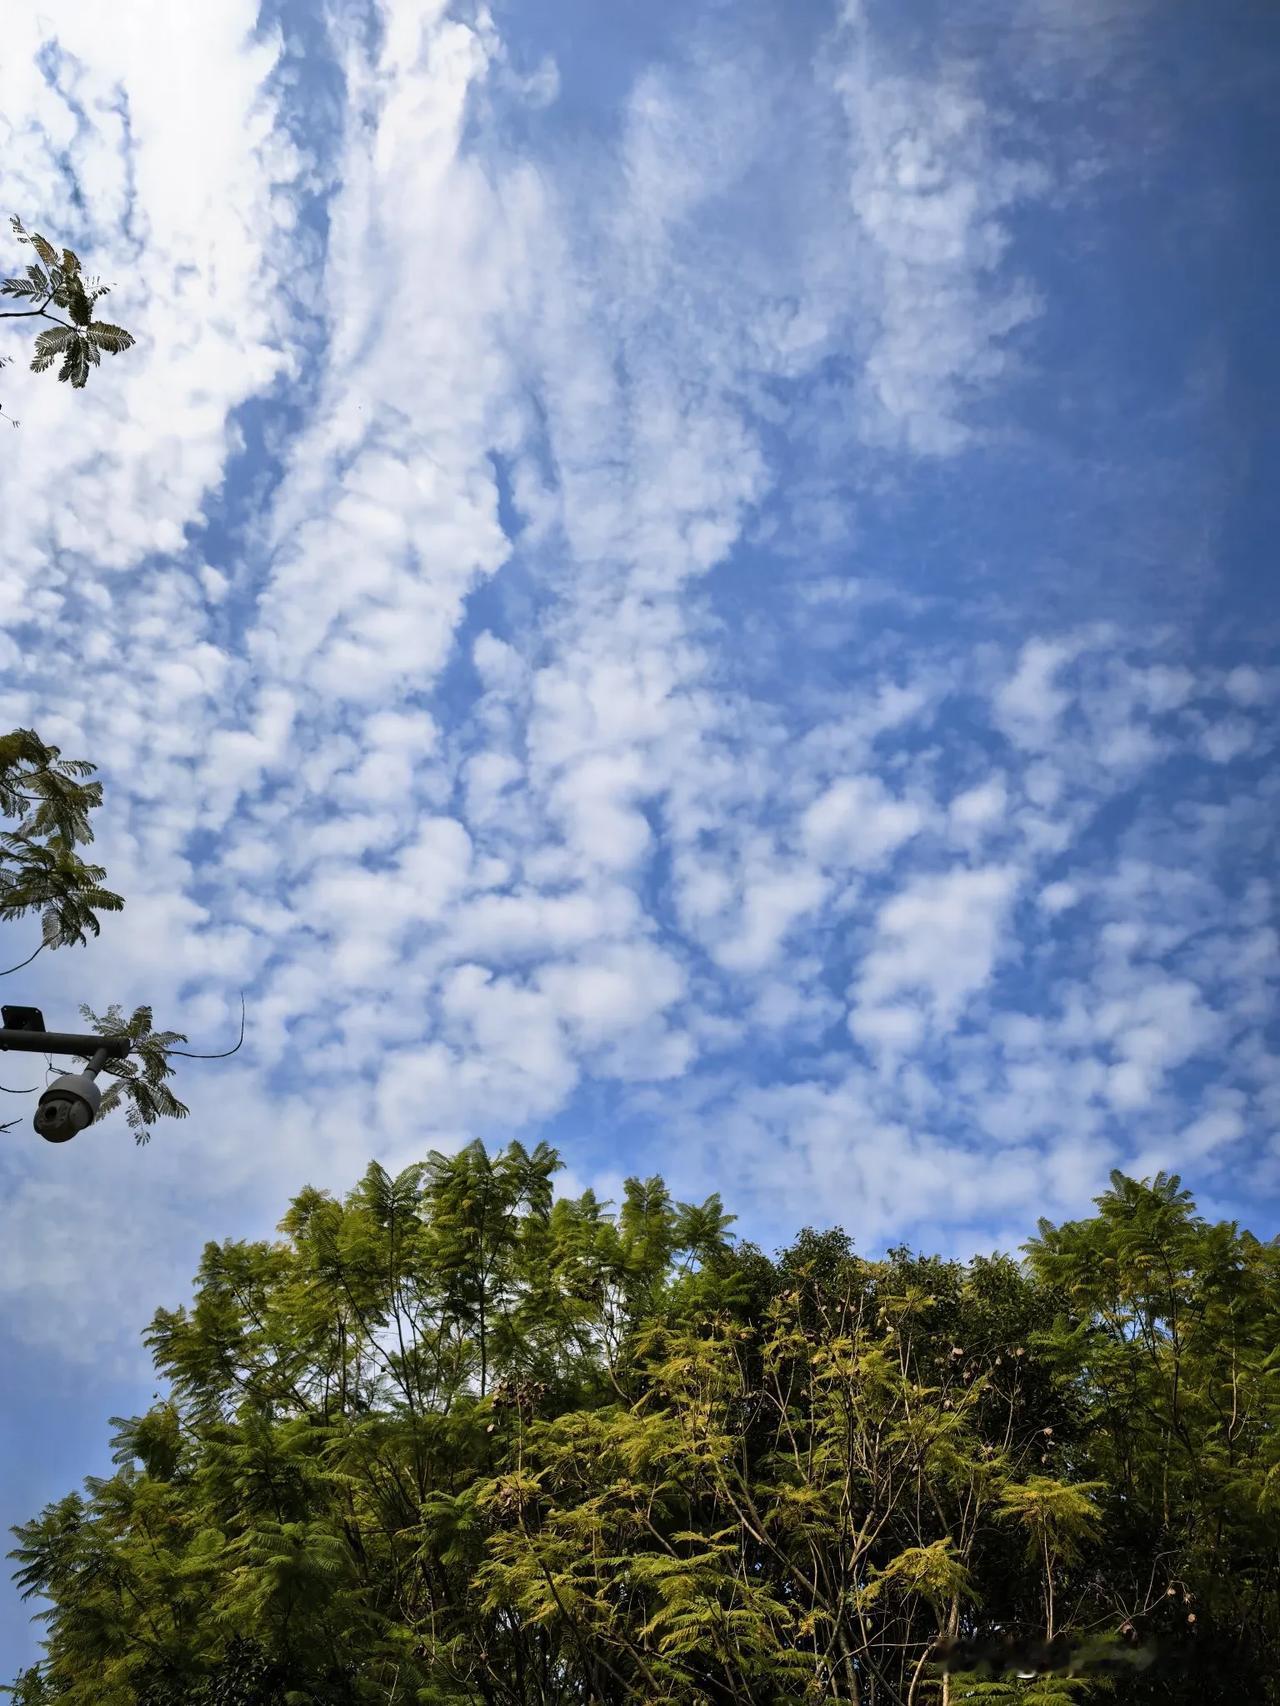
x=40 y=869
x=451 y=1438
x=55 y=280
x=48 y=801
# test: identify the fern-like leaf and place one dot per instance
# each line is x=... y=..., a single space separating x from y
x=75 y=364
x=111 y=338
x=45 y=249
x=77 y=302
x=55 y=338
x=50 y=344
x=142 y=1073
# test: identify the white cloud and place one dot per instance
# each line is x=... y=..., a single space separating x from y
x=1029 y=704
x=1059 y=897
x=189 y=212
x=488 y=776
x=889 y=1030
x=937 y=940
x=857 y=824
x=931 y=193
x=981 y=805
x=1166 y=688
x=1227 y=739
x=1150 y=1030
x=775 y=894
x=1246 y=685
x=1214 y=1130
x=612 y=990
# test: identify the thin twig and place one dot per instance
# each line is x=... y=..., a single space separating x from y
x=34 y=313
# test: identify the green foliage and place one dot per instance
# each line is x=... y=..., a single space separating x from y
x=1169 y=1327
x=140 y=1075
x=55 y=280
x=39 y=867
x=450 y=1440
x=49 y=801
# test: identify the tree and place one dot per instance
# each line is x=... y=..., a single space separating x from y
x=48 y=801
x=1170 y=1328
x=448 y=1440
x=55 y=279
x=41 y=870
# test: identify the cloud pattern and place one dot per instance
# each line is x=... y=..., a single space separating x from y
x=564 y=604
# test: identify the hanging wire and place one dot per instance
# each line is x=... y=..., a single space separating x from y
x=25 y=962
x=187 y=1055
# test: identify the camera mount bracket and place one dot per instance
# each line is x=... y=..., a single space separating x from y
x=23 y=1031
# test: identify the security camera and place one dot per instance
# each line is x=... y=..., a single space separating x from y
x=67 y=1107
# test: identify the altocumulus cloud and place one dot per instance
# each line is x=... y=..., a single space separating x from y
x=518 y=615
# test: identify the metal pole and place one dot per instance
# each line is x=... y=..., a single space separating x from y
x=65 y=1042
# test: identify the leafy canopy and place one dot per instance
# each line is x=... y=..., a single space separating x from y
x=452 y=1439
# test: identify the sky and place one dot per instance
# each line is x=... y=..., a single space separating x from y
x=694 y=582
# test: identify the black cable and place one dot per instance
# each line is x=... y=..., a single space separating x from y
x=25 y=962
x=187 y=1055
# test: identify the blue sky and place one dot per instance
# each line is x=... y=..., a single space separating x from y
x=700 y=589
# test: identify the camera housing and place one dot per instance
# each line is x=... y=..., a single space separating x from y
x=67 y=1107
